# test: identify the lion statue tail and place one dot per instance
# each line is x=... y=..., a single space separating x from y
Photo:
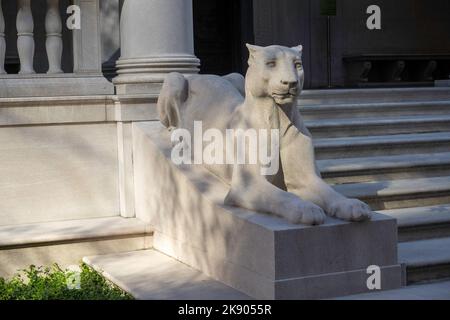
x=173 y=94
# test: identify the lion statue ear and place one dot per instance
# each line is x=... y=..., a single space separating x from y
x=252 y=50
x=298 y=48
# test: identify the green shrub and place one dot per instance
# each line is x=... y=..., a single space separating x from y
x=53 y=283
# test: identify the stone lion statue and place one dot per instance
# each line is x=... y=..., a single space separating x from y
x=265 y=99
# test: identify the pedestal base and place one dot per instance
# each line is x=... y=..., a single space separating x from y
x=258 y=254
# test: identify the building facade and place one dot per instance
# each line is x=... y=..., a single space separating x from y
x=411 y=48
x=92 y=82
x=79 y=80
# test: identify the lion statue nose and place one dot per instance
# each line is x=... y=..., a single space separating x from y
x=290 y=84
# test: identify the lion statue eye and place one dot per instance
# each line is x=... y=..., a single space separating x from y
x=299 y=65
x=271 y=64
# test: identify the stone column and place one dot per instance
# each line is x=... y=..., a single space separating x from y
x=156 y=38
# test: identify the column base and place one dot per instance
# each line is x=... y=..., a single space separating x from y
x=146 y=75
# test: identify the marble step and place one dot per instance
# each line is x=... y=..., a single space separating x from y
x=395 y=194
x=428 y=291
x=421 y=222
x=366 y=169
x=67 y=242
x=373 y=110
x=335 y=128
x=340 y=96
x=425 y=260
x=384 y=145
x=151 y=275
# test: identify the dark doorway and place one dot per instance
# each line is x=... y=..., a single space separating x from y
x=221 y=29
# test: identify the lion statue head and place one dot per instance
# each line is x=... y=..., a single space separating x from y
x=275 y=72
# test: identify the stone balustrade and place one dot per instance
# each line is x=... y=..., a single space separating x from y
x=47 y=59
x=25 y=37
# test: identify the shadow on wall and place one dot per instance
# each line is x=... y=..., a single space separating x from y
x=58 y=172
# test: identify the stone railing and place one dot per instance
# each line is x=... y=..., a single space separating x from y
x=68 y=63
x=25 y=37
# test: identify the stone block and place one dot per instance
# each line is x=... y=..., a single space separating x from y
x=258 y=254
x=58 y=172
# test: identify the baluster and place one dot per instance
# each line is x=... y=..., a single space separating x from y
x=25 y=39
x=2 y=41
x=54 y=43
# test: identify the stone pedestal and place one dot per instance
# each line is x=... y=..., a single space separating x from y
x=260 y=255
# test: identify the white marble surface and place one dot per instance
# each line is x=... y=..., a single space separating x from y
x=430 y=291
x=151 y=275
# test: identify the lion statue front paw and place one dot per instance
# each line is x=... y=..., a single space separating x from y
x=350 y=210
x=305 y=212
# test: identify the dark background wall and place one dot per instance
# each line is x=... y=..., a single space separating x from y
x=287 y=22
x=408 y=26
x=221 y=29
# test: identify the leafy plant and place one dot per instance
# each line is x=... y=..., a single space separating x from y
x=54 y=283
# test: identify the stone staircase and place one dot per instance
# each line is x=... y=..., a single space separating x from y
x=391 y=149
x=388 y=147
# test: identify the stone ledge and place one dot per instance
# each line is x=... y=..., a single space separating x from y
x=429 y=291
x=55 y=110
x=26 y=235
x=151 y=275
x=134 y=107
x=41 y=85
x=66 y=254
x=340 y=96
x=77 y=109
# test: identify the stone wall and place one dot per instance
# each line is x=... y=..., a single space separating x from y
x=58 y=172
